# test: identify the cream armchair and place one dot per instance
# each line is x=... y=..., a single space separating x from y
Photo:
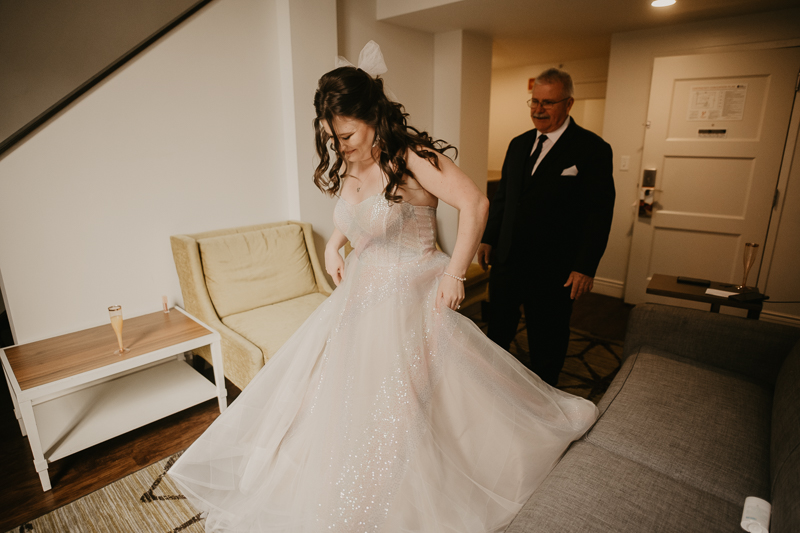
x=255 y=285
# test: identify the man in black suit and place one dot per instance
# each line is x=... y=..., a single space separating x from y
x=548 y=225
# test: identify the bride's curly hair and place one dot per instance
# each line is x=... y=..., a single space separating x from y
x=350 y=92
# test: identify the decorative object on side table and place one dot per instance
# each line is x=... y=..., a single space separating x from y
x=750 y=252
x=115 y=313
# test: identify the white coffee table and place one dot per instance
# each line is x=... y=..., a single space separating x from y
x=71 y=392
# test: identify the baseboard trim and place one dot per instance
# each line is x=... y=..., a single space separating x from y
x=780 y=318
x=609 y=287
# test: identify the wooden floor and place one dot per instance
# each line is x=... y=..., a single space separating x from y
x=21 y=496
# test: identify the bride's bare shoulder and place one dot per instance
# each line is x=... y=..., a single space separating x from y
x=429 y=161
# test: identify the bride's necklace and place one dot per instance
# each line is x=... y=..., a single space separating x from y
x=358 y=189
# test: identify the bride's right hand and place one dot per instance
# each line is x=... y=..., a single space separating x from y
x=334 y=265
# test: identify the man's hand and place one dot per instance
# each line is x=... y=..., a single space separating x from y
x=581 y=283
x=484 y=256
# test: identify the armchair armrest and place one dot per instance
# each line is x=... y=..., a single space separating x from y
x=748 y=347
x=190 y=276
x=319 y=273
x=241 y=358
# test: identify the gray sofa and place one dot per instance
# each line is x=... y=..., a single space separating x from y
x=704 y=412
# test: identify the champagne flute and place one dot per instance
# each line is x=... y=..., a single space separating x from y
x=750 y=251
x=115 y=312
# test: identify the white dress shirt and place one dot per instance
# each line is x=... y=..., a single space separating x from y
x=552 y=138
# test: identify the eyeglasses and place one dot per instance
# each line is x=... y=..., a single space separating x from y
x=546 y=104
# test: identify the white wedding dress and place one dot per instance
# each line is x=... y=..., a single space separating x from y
x=382 y=414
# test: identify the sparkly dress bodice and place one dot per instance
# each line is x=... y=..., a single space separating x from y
x=383 y=232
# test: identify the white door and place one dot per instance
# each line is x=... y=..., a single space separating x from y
x=717 y=125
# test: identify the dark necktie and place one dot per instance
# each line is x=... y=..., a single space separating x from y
x=532 y=160
x=536 y=153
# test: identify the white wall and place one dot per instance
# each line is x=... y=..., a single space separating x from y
x=510 y=116
x=783 y=278
x=629 y=74
x=308 y=50
x=47 y=51
x=589 y=113
x=393 y=8
x=462 y=84
x=408 y=54
x=447 y=105
x=188 y=137
x=476 y=88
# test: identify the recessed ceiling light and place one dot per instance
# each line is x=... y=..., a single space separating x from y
x=662 y=3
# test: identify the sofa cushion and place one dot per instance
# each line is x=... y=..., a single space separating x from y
x=245 y=271
x=706 y=428
x=785 y=456
x=592 y=490
x=269 y=327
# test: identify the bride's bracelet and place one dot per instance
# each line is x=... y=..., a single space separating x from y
x=462 y=280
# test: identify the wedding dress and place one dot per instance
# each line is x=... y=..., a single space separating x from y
x=382 y=413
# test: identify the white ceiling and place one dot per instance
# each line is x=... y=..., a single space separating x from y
x=525 y=32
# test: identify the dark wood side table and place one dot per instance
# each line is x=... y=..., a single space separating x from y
x=664 y=285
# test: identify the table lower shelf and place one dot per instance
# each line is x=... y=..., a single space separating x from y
x=98 y=413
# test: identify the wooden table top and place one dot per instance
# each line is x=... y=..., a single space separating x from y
x=50 y=360
x=664 y=285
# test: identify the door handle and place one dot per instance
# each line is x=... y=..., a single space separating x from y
x=647 y=192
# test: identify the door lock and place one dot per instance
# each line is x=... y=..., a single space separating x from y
x=646 y=192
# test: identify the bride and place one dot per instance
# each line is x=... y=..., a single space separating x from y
x=387 y=411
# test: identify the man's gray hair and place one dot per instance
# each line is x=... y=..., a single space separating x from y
x=554 y=75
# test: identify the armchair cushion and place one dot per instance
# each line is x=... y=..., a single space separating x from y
x=245 y=271
x=270 y=326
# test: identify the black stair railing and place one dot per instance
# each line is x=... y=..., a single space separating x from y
x=53 y=110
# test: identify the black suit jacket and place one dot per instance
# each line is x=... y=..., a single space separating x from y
x=556 y=223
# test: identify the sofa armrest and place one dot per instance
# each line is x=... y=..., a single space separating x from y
x=748 y=347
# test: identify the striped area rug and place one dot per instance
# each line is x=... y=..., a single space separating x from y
x=144 y=502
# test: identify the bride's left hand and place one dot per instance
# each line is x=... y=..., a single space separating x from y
x=450 y=293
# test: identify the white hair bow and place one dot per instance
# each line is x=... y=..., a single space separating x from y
x=370 y=60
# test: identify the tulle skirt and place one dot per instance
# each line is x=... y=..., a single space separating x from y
x=382 y=413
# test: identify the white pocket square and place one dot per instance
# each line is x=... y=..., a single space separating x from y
x=571 y=171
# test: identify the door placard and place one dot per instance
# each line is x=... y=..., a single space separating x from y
x=717 y=102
